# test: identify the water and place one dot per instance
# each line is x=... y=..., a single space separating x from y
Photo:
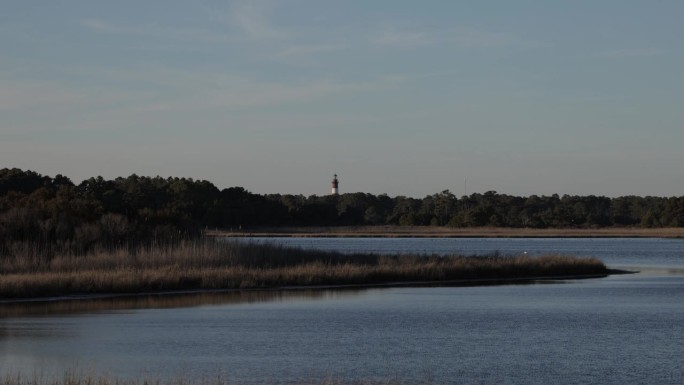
x=617 y=252
x=626 y=329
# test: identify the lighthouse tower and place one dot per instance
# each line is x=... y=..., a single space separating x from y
x=335 y=184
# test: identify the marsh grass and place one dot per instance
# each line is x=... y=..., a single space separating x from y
x=208 y=264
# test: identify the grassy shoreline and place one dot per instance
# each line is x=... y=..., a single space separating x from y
x=450 y=232
x=215 y=265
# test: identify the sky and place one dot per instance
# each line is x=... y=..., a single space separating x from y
x=396 y=97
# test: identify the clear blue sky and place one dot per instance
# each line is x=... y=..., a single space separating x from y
x=397 y=97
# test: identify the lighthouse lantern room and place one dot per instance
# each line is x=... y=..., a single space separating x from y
x=335 y=184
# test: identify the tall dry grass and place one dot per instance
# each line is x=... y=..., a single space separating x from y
x=215 y=264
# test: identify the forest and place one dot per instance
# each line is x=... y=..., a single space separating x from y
x=54 y=210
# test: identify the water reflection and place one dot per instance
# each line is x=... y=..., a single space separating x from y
x=653 y=271
x=14 y=331
x=624 y=329
x=51 y=308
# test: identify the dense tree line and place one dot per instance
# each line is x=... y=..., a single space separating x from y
x=38 y=207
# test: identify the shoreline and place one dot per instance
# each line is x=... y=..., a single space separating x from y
x=206 y=265
x=446 y=232
x=468 y=282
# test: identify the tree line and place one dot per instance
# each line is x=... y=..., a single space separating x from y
x=138 y=208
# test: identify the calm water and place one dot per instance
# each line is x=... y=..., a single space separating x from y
x=618 y=330
x=616 y=252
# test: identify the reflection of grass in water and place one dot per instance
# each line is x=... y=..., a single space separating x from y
x=212 y=265
x=73 y=377
x=166 y=301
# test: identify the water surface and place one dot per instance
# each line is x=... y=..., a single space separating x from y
x=626 y=329
x=639 y=252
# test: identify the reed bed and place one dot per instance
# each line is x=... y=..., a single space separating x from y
x=208 y=264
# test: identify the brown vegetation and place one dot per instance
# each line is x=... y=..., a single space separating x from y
x=454 y=232
x=219 y=265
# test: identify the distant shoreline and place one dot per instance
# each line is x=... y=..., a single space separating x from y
x=447 y=232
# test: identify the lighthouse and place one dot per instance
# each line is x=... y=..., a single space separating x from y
x=335 y=184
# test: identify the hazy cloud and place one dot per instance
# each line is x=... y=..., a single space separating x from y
x=402 y=38
x=24 y=95
x=310 y=49
x=169 y=91
x=634 y=52
x=255 y=20
x=98 y=25
x=472 y=38
x=245 y=93
x=154 y=31
x=461 y=37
